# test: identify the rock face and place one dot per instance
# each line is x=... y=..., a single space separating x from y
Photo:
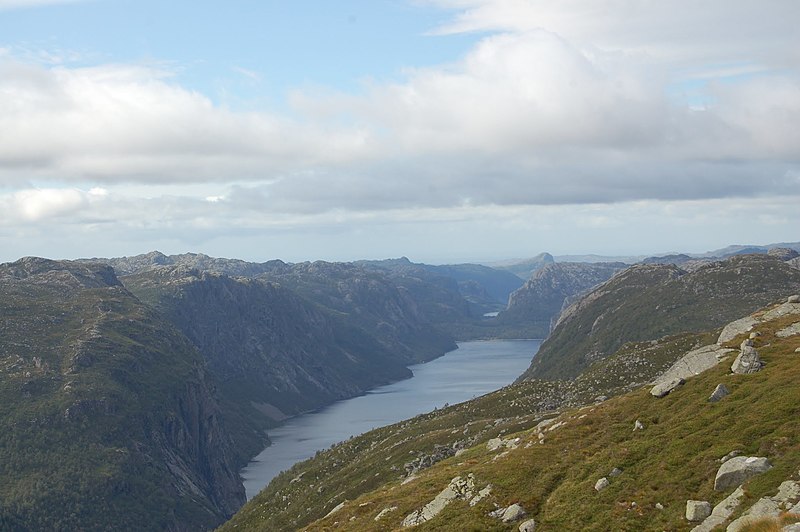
x=276 y=354
x=736 y=470
x=541 y=299
x=697 y=510
x=748 y=360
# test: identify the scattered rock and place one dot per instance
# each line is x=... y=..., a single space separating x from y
x=697 y=510
x=601 y=484
x=783 y=254
x=659 y=506
x=793 y=299
x=638 y=425
x=494 y=444
x=736 y=470
x=663 y=388
x=747 y=361
x=336 y=508
x=719 y=392
x=615 y=472
x=384 y=512
x=515 y=512
x=722 y=511
x=527 y=526
x=481 y=495
x=754 y=335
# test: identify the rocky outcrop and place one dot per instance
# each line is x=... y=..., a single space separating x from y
x=692 y=363
x=458 y=488
x=748 y=360
x=784 y=500
x=721 y=512
x=736 y=470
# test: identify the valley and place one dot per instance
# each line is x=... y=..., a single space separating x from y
x=201 y=359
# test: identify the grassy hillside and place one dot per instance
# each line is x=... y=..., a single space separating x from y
x=553 y=469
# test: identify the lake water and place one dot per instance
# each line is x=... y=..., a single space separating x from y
x=474 y=369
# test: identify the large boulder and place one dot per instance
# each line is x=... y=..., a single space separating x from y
x=736 y=470
x=748 y=360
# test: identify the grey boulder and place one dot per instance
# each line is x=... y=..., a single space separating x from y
x=736 y=470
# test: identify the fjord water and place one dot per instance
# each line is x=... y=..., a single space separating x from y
x=474 y=369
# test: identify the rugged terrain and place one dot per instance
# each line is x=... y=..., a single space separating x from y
x=653 y=300
x=554 y=453
x=109 y=419
x=534 y=307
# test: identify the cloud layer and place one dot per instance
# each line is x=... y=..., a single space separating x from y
x=560 y=102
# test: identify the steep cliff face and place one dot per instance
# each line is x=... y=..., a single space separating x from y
x=266 y=346
x=650 y=301
x=534 y=306
x=109 y=420
x=400 y=311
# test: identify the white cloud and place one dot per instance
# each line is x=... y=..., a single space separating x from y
x=564 y=107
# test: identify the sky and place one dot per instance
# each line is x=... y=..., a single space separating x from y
x=441 y=130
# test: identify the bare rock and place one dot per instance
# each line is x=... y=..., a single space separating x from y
x=663 y=388
x=458 y=488
x=719 y=392
x=527 y=526
x=747 y=361
x=793 y=299
x=601 y=484
x=638 y=425
x=697 y=510
x=722 y=511
x=695 y=362
x=735 y=328
x=736 y=470
x=791 y=330
x=515 y=512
